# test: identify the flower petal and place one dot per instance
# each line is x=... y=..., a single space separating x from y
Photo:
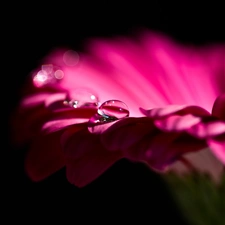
x=177 y=123
x=180 y=71
x=30 y=122
x=219 y=107
x=86 y=158
x=96 y=126
x=157 y=113
x=163 y=149
x=56 y=125
x=34 y=100
x=207 y=129
x=126 y=132
x=140 y=140
x=128 y=60
x=55 y=101
x=45 y=157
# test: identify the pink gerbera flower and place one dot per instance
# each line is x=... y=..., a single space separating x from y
x=147 y=99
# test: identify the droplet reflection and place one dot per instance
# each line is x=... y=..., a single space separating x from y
x=113 y=109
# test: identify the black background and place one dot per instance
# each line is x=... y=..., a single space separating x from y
x=127 y=192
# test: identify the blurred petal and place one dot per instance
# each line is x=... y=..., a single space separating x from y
x=126 y=132
x=26 y=125
x=98 y=124
x=219 y=107
x=163 y=149
x=217 y=146
x=55 y=101
x=44 y=157
x=181 y=110
x=86 y=158
x=181 y=73
x=57 y=125
x=207 y=129
x=34 y=100
x=177 y=123
x=140 y=140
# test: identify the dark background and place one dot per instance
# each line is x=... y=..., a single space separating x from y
x=127 y=192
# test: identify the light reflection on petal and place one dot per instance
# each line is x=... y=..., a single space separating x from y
x=49 y=74
x=71 y=58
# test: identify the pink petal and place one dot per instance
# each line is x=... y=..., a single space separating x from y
x=34 y=100
x=97 y=125
x=130 y=64
x=163 y=149
x=45 y=157
x=140 y=140
x=157 y=113
x=207 y=129
x=91 y=74
x=55 y=101
x=214 y=56
x=219 y=107
x=28 y=123
x=177 y=123
x=37 y=119
x=86 y=158
x=180 y=71
x=56 y=125
x=32 y=121
x=126 y=132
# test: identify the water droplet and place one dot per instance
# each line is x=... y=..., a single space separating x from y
x=108 y=112
x=113 y=109
x=48 y=74
x=81 y=97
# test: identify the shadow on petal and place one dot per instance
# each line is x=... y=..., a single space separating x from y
x=126 y=133
x=44 y=157
x=86 y=158
x=162 y=149
x=219 y=107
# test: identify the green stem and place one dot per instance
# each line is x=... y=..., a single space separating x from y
x=201 y=201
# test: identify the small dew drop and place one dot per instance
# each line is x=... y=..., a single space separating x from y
x=81 y=97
